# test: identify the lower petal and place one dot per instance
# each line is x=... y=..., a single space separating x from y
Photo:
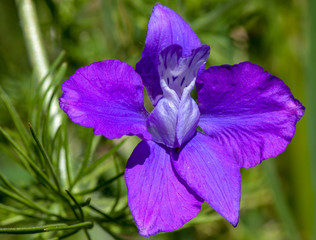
x=188 y=116
x=158 y=199
x=162 y=122
x=207 y=168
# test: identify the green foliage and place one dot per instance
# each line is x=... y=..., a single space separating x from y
x=42 y=202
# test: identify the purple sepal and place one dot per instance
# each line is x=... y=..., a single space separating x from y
x=159 y=200
x=107 y=96
x=212 y=173
x=249 y=111
x=165 y=27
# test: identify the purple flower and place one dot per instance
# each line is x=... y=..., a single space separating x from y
x=246 y=114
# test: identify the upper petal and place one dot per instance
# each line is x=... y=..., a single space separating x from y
x=177 y=71
x=249 y=111
x=174 y=119
x=107 y=96
x=165 y=28
x=209 y=170
x=158 y=199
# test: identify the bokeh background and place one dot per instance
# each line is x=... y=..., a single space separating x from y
x=278 y=196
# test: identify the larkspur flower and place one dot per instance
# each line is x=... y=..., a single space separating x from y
x=246 y=114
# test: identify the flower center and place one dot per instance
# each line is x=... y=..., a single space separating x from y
x=175 y=117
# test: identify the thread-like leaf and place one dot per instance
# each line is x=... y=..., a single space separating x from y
x=35 y=169
x=15 y=117
x=46 y=157
x=99 y=161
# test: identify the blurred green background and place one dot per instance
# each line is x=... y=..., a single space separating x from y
x=278 y=196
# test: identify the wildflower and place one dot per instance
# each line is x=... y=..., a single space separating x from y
x=246 y=114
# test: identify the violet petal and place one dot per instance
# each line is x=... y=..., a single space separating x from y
x=209 y=170
x=249 y=111
x=159 y=202
x=165 y=27
x=107 y=96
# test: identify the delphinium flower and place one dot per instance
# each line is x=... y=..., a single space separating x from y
x=246 y=115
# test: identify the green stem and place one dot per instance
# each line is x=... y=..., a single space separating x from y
x=47 y=228
x=33 y=39
x=37 y=54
